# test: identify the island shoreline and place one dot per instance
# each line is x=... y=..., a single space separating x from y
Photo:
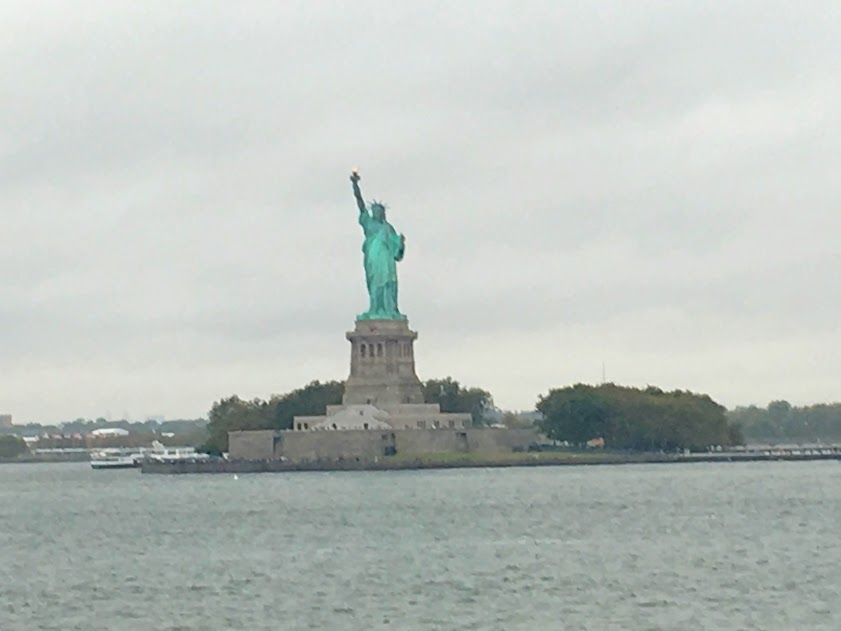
x=485 y=462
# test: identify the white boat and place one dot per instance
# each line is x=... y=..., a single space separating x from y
x=116 y=458
x=132 y=458
x=161 y=453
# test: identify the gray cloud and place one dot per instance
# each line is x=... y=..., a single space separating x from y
x=652 y=188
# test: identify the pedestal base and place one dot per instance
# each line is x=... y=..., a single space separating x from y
x=383 y=389
x=382 y=365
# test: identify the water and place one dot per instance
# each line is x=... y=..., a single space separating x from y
x=718 y=546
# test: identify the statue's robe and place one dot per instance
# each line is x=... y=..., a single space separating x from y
x=382 y=249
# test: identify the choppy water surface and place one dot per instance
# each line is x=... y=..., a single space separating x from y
x=738 y=546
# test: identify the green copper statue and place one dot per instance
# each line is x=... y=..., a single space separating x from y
x=382 y=248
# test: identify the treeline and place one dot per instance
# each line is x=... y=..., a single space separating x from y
x=781 y=421
x=86 y=426
x=624 y=418
x=134 y=439
x=636 y=419
x=12 y=447
x=235 y=414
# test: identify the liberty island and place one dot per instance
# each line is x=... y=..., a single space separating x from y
x=383 y=412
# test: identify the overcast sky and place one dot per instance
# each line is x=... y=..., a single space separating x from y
x=652 y=186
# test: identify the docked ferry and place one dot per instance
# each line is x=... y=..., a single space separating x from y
x=115 y=458
x=160 y=453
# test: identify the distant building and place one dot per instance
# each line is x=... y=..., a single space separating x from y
x=5 y=420
x=109 y=431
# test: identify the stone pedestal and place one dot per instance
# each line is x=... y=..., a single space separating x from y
x=382 y=365
x=383 y=389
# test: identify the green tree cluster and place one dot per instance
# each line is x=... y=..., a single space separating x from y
x=183 y=427
x=11 y=447
x=782 y=421
x=638 y=419
x=235 y=414
x=452 y=397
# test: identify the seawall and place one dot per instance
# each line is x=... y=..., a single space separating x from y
x=455 y=461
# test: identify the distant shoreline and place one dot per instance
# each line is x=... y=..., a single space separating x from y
x=47 y=458
x=443 y=461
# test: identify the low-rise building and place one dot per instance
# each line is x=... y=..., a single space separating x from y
x=109 y=431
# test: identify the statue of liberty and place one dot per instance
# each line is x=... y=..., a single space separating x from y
x=382 y=248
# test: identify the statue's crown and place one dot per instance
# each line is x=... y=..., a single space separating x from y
x=376 y=202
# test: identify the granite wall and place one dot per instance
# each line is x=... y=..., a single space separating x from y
x=255 y=445
x=303 y=446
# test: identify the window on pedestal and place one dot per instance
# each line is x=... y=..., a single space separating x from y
x=452 y=424
x=421 y=424
x=379 y=349
x=363 y=349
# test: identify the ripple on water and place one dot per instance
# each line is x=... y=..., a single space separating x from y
x=719 y=547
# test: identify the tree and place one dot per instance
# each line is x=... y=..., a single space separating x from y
x=573 y=414
x=737 y=436
x=782 y=421
x=779 y=410
x=235 y=414
x=12 y=447
x=311 y=400
x=630 y=418
x=452 y=397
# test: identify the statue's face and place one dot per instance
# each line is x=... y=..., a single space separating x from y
x=378 y=212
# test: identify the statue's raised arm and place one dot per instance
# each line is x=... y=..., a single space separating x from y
x=354 y=177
